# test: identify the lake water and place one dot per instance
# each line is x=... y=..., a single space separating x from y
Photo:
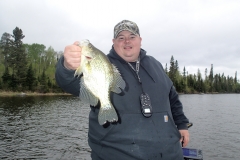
x=55 y=127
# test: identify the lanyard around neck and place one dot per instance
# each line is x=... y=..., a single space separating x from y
x=137 y=68
x=146 y=106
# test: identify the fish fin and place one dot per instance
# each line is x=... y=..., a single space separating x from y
x=107 y=113
x=78 y=72
x=118 y=81
x=86 y=95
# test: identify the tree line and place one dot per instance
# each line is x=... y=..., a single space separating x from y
x=31 y=67
x=26 y=67
x=196 y=83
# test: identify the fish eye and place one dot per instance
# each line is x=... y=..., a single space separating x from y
x=88 y=58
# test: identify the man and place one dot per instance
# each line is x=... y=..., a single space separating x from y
x=152 y=132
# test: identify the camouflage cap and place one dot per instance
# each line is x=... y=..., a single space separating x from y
x=126 y=25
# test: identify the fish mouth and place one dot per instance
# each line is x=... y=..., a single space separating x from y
x=84 y=42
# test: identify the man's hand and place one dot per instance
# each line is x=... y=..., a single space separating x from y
x=184 y=137
x=72 y=56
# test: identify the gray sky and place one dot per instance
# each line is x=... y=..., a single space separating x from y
x=197 y=33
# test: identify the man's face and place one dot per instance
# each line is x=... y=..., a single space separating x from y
x=127 y=45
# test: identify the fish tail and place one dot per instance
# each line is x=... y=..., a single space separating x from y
x=107 y=113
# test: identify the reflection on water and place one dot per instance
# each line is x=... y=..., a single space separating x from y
x=216 y=123
x=43 y=127
x=55 y=127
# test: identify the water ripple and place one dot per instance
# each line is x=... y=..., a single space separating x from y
x=55 y=127
x=43 y=128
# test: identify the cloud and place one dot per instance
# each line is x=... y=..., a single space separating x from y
x=197 y=33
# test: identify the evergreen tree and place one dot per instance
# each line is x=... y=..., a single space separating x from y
x=171 y=72
x=229 y=84
x=206 y=72
x=206 y=81
x=211 y=78
x=184 y=80
x=43 y=83
x=30 y=78
x=1 y=84
x=13 y=83
x=216 y=83
x=177 y=77
x=235 y=79
x=224 y=81
x=5 y=45
x=176 y=67
x=17 y=58
x=6 y=78
x=49 y=83
x=190 y=83
x=166 y=69
x=184 y=73
x=199 y=82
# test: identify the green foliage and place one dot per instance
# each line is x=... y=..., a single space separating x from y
x=1 y=85
x=217 y=83
x=31 y=67
x=5 y=45
x=14 y=57
x=166 y=69
x=172 y=71
x=34 y=54
x=6 y=79
x=26 y=67
x=13 y=83
x=30 y=79
x=43 y=87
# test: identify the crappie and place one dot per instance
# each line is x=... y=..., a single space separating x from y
x=99 y=78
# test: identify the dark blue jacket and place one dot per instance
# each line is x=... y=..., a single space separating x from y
x=134 y=136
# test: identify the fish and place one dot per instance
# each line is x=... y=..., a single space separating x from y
x=98 y=77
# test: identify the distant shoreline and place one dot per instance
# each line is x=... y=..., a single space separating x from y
x=5 y=94
x=10 y=93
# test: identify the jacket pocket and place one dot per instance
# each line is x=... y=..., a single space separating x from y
x=165 y=125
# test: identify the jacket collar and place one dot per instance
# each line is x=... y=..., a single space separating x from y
x=144 y=63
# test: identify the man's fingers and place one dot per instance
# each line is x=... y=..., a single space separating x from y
x=184 y=141
x=184 y=137
x=72 y=56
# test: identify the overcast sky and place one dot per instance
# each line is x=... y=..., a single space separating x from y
x=197 y=33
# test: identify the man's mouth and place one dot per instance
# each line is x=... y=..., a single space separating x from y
x=127 y=47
